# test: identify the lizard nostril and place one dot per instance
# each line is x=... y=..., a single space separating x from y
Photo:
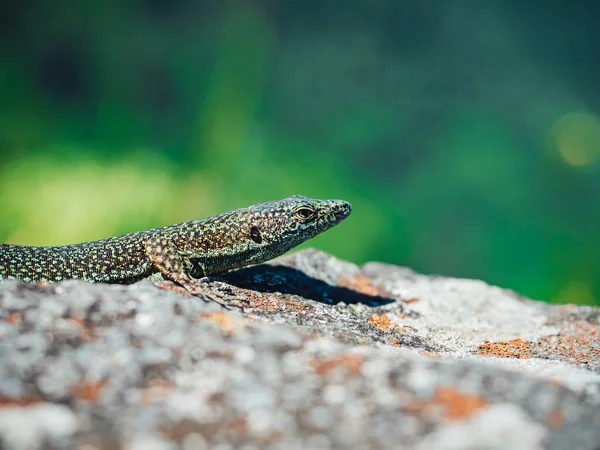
x=343 y=209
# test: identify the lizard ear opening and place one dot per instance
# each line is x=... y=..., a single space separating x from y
x=255 y=235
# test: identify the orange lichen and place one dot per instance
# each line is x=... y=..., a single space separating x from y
x=395 y=343
x=555 y=418
x=517 y=348
x=577 y=343
x=89 y=392
x=78 y=321
x=457 y=404
x=411 y=300
x=86 y=333
x=14 y=319
x=360 y=284
x=271 y=303
x=381 y=322
x=263 y=302
x=156 y=391
x=348 y=362
x=225 y=322
x=295 y=306
x=450 y=403
x=9 y=402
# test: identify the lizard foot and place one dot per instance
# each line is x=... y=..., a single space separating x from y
x=201 y=288
x=169 y=286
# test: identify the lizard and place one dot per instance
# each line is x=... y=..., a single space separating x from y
x=186 y=253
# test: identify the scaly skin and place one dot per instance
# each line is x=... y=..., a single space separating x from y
x=182 y=253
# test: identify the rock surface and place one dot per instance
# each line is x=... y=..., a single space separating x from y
x=327 y=355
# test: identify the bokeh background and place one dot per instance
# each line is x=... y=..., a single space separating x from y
x=465 y=133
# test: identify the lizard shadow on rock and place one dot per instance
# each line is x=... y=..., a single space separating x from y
x=287 y=280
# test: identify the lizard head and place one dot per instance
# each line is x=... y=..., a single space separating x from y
x=281 y=225
x=258 y=233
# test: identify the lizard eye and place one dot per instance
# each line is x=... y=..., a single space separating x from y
x=305 y=214
x=255 y=235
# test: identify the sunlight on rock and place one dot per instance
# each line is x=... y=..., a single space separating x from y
x=576 y=137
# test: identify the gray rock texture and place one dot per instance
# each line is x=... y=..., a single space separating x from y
x=327 y=355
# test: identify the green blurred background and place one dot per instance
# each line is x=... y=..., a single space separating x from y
x=465 y=133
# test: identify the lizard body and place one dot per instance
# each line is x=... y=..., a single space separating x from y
x=182 y=253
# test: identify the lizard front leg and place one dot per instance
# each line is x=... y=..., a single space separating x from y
x=174 y=266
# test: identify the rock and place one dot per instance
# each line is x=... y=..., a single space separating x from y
x=326 y=355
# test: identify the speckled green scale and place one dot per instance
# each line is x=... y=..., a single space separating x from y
x=184 y=252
